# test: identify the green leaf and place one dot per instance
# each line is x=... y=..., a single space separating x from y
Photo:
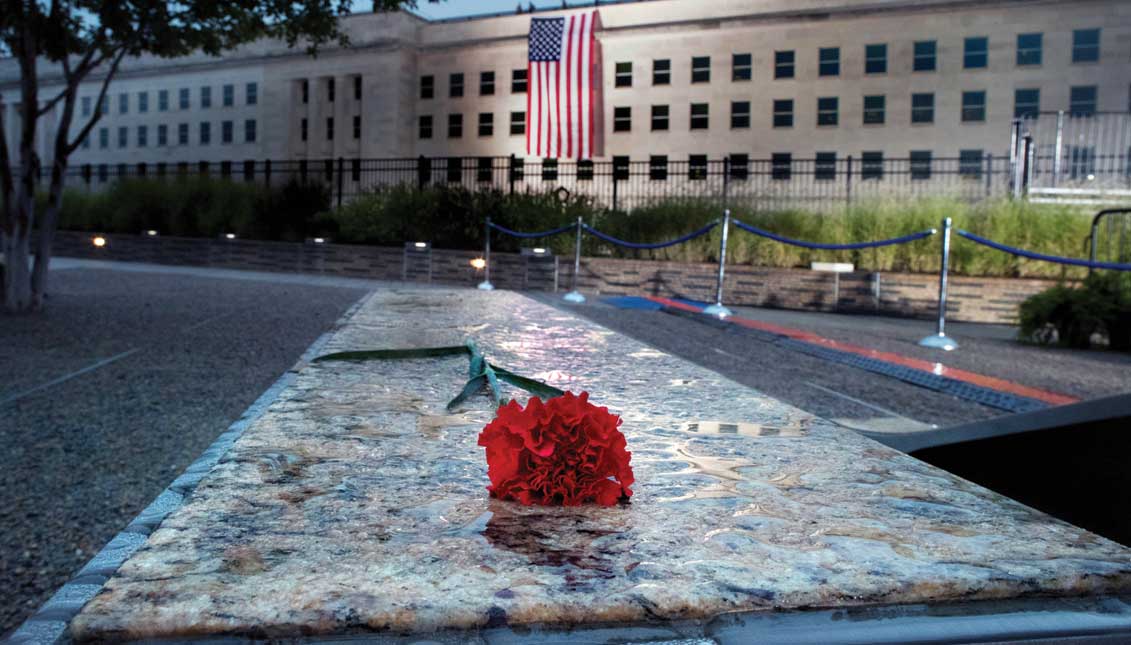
x=472 y=386
x=394 y=354
x=537 y=388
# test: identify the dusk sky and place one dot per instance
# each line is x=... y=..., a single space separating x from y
x=459 y=8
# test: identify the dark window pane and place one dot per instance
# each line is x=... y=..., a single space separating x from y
x=976 y=52
x=740 y=114
x=697 y=167
x=871 y=165
x=824 y=166
x=660 y=117
x=701 y=69
x=1082 y=100
x=658 y=167
x=623 y=76
x=876 y=59
x=923 y=108
x=741 y=67
x=1026 y=103
x=874 y=109
x=739 y=166
x=699 y=116
x=783 y=64
x=622 y=119
x=1029 y=49
x=970 y=163
x=827 y=110
x=925 y=51
x=1085 y=45
x=781 y=165
x=920 y=164
x=783 y=113
x=974 y=106
x=661 y=72
x=829 y=61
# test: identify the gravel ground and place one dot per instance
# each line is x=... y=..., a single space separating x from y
x=83 y=456
x=854 y=396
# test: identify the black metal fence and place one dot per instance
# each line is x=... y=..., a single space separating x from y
x=778 y=182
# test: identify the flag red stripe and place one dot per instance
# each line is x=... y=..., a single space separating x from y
x=569 y=95
x=528 y=66
x=592 y=85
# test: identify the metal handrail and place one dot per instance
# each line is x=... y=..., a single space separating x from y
x=1091 y=240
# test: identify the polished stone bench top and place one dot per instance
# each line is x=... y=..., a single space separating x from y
x=356 y=502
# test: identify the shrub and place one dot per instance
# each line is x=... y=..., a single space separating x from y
x=1100 y=305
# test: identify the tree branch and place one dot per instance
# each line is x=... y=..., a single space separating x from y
x=85 y=65
x=7 y=187
x=73 y=145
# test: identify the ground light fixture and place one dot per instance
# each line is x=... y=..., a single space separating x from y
x=99 y=241
x=229 y=236
x=420 y=245
x=478 y=263
x=538 y=250
x=151 y=233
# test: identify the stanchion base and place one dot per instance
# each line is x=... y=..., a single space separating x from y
x=486 y=286
x=574 y=297
x=718 y=311
x=939 y=341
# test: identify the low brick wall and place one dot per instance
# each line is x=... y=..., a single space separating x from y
x=990 y=300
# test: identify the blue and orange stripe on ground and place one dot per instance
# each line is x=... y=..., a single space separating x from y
x=988 y=390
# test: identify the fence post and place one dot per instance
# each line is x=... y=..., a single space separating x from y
x=848 y=181
x=341 y=173
x=989 y=173
x=726 y=182
x=1027 y=168
x=1059 y=143
x=267 y=173
x=717 y=309
x=486 y=284
x=510 y=173
x=1014 y=157
x=420 y=164
x=574 y=295
x=939 y=339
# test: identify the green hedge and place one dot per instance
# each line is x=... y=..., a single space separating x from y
x=452 y=217
x=1099 y=307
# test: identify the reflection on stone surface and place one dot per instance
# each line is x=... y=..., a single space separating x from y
x=357 y=502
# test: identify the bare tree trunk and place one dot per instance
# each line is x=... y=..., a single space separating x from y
x=50 y=217
x=20 y=218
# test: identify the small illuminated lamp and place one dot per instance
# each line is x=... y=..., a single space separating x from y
x=421 y=245
x=538 y=250
x=230 y=236
x=479 y=263
x=99 y=241
x=151 y=233
x=319 y=240
x=1091 y=177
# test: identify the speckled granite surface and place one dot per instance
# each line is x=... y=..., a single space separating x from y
x=358 y=503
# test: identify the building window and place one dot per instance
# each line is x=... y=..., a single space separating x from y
x=783 y=113
x=920 y=164
x=329 y=128
x=876 y=59
x=486 y=83
x=925 y=51
x=700 y=69
x=251 y=93
x=483 y=170
x=517 y=168
x=142 y=136
x=143 y=102
x=824 y=166
x=455 y=126
x=229 y=95
x=740 y=114
x=86 y=143
x=1085 y=45
x=1026 y=103
x=162 y=135
x=1081 y=162
x=305 y=87
x=424 y=127
x=357 y=126
x=331 y=86
x=106 y=104
x=828 y=59
x=205 y=97
x=518 y=122
x=976 y=52
x=874 y=109
x=549 y=169
x=104 y=137
x=658 y=167
x=659 y=117
x=1082 y=100
x=662 y=72
x=303 y=130
x=1029 y=49
x=623 y=75
x=455 y=169
x=123 y=136
x=518 y=81
x=249 y=131
x=585 y=170
x=697 y=167
x=620 y=167
x=827 y=110
x=357 y=88
x=741 y=67
x=923 y=108
x=783 y=64
x=739 y=165
x=163 y=100
x=183 y=98
x=970 y=163
x=974 y=106
x=86 y=103
x=226 y=131
x=700 y=116
x=622 y=119
x=871 y=165
x=205 y=133
x=781 y=165
x=182 y=134
x=427 y=87
x=123 y=103
x=455 y=85
x=486 y=124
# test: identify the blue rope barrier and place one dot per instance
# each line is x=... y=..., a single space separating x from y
x=834 y=247
x=658 y=245
x=1041 y=256
x=567 y=227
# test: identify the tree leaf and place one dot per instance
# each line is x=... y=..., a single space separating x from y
x=472 y=386
x=394 y=354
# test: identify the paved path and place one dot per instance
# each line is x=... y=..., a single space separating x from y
x=124 y=380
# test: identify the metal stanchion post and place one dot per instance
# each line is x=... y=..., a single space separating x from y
x=486 y=284
x=575 y=296
x=717 y=309
x=939 y=340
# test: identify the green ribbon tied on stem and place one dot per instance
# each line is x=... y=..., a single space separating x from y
x=481 y=374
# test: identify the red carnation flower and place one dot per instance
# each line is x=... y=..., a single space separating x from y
x=565 y=451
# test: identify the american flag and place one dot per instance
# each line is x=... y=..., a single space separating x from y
x=563 y=77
